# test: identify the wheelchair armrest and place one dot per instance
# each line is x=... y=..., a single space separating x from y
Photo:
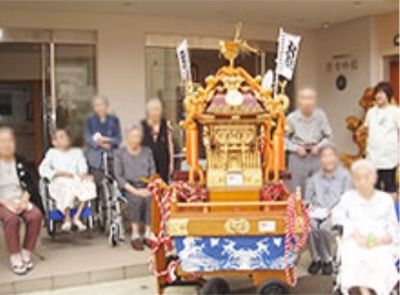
x=337 y=230
x=46 y=182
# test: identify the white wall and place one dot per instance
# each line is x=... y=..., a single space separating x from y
x=121 y=64
x=352 y=39
x=121 y=55
x=384 y=28
x=368 y=41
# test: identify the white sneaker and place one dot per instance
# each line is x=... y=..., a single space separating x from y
x=80 y=225
x=66 y=226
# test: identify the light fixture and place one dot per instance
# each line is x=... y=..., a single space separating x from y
x=234 y=97
x=1 y=34
x=326 y=25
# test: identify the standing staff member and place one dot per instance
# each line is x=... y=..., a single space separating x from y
x=157 y=135
x=383 y=123
x=308 y=131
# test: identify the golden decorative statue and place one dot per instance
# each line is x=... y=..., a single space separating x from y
x=238 y=118
x=355 y=125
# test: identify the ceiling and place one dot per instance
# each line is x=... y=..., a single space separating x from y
x=307 y=14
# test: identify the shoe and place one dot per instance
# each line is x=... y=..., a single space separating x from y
x=29 y=264
x=19 y=269
x=137 y=244
x=314 y=267
x=327 y=268
x=80 y=225
x=66 y=226
x=149 y=242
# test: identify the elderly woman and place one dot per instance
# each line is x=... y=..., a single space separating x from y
x=157 y=135
x=132 y=163
x=16 y=189
x=102 y=135
x=369 y=232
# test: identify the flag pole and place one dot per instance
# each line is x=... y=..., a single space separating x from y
x=277 y=61
x=276 y=82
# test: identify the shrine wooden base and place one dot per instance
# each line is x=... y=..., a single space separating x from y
x=212 y=219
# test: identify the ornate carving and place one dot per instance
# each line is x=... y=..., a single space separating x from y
x=232 y=107
x=178 y=227
x=237 y=226
x=355 y=125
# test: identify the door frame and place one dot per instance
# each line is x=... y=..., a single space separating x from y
x=48 y=39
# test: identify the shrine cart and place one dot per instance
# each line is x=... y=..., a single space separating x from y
x=235 y=216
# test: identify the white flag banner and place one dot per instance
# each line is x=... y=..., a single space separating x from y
x=184 y=61
x=288 y=49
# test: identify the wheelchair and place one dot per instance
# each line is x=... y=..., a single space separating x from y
x=337 y=231
x=108 y=207
x=52 y=215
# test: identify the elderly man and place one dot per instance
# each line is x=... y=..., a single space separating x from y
x=370 y=230
x=308 y=130
x=323 y=192
x=102 y=135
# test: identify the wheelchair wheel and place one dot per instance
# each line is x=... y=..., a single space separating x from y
x=51 y=227
x=113 y=236
x=272 y=287
x=103 y=208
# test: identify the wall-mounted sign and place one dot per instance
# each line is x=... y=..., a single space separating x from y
x=341 y=82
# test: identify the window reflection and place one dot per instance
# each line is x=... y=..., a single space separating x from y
x=75 y=68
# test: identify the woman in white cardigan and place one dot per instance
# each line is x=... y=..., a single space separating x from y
x=370 y=233
x=67 y=171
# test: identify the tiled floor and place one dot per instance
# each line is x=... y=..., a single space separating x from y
x=74 y=260
x=77 y=264
x=146 y=286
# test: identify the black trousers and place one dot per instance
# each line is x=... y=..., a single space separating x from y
x=387 y=180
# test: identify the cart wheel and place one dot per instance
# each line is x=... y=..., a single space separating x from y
x=272 y=288
x=215 y=286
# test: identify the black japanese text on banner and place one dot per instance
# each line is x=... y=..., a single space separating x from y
x=184 y=61
x=288 y=49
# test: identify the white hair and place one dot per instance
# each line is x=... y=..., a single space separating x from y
x=100 y=98
x=154 y=102
x=363 y=164
x=7 y=129
x=134 y=127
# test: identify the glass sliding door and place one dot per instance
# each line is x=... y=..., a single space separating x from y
x=75 y=85
x=47 y=79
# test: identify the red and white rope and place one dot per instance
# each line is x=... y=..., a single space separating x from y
x=163 y=197
x=294 y=242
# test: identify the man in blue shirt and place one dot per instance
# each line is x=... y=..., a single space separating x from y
x=323 y=192
x=102 y=135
